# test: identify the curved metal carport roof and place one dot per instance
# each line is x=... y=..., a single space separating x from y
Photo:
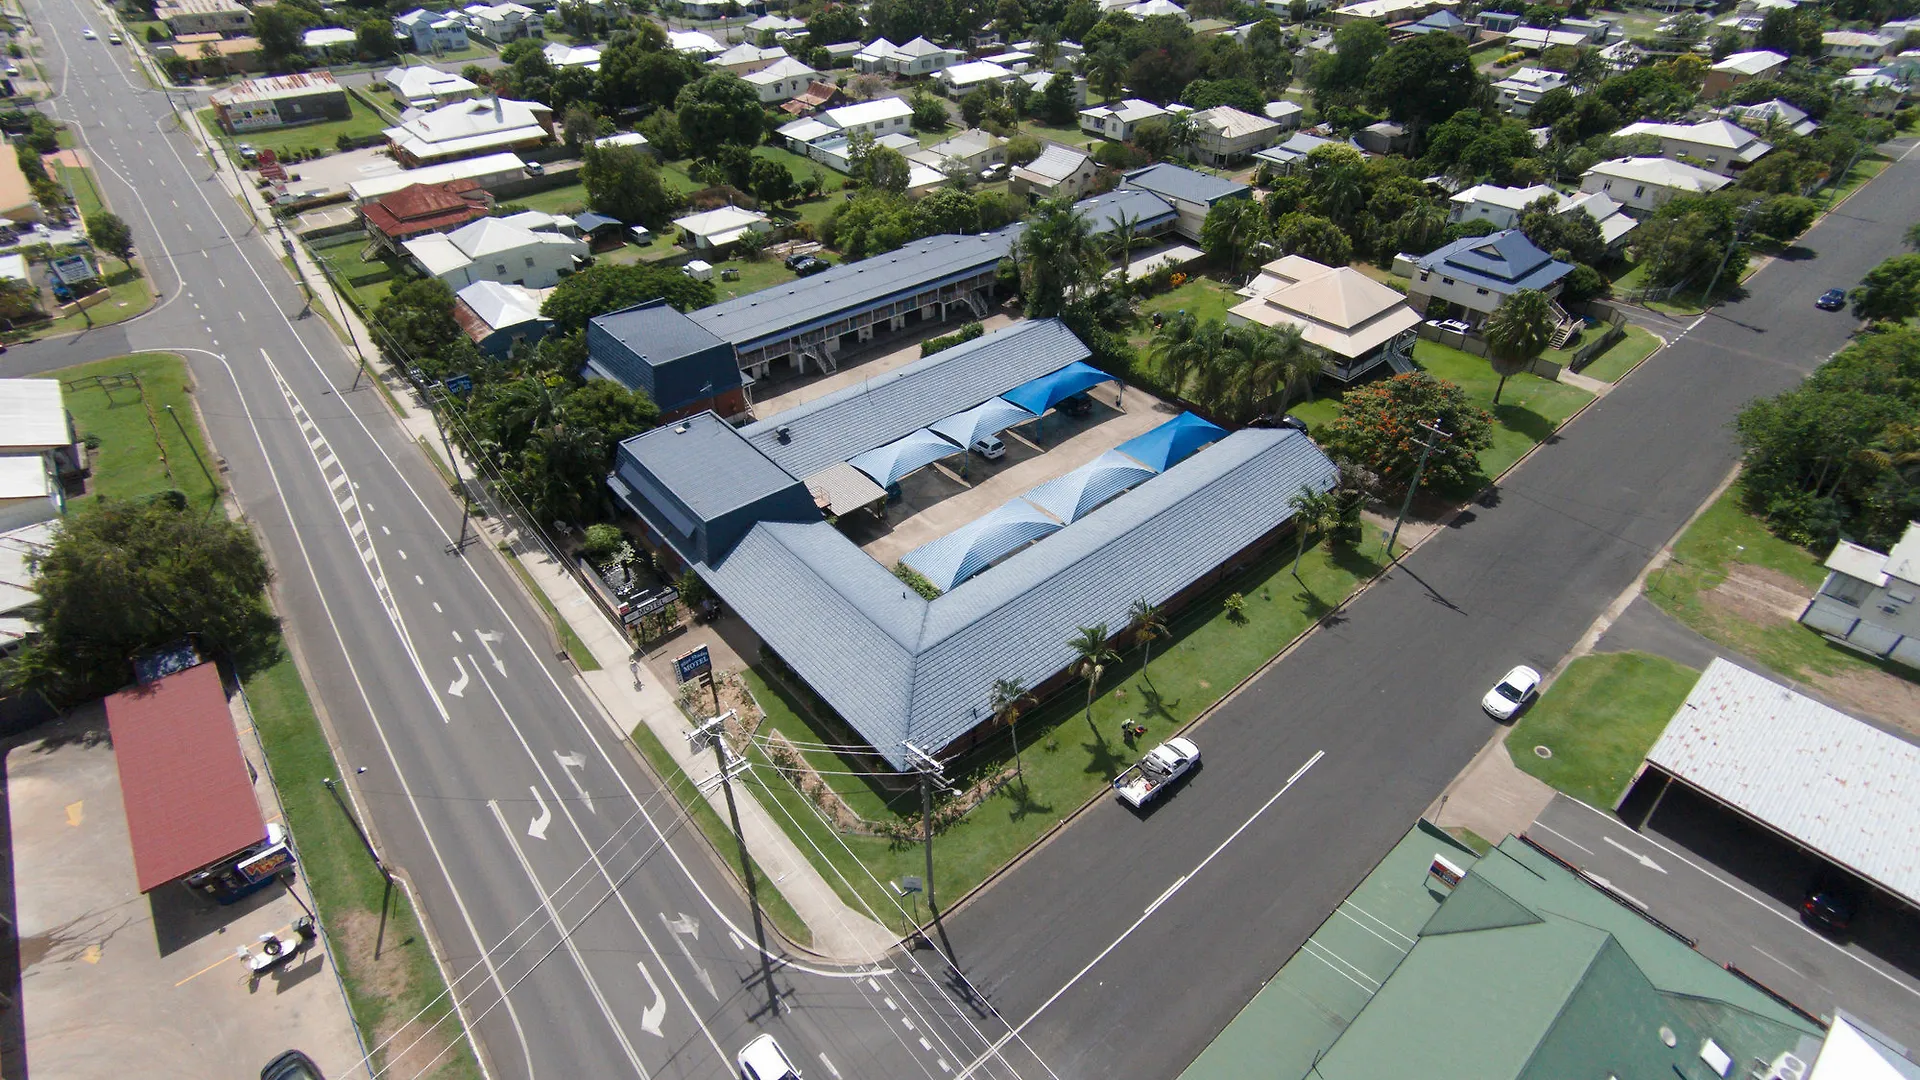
x=1073 y=495
x=1038 y=395
x=987 y=418
x=1172 y=442
x=887 y=464
x=972 y=548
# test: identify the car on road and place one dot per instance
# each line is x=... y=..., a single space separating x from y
x=1832 y=300
x=989 y=447
x=113 y=39
x=1830 y=906
x=292 y=1065
x=87 y=32
x=762 y=1059
x=808 y=265
x=1141 y=783
x=1451 y=326
x=1511 y=693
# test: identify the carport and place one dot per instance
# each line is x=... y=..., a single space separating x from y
x=840 y=489
x=972 y=548
x=1073 y=495
x=1172 y=442
x=990 y=417
x=1837 y=787
x=1038 y=395
x=887 y=464
x=188 y=793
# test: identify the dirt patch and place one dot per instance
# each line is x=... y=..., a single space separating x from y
x=422 y=1045
x=1887 y=698
x=1759 y=594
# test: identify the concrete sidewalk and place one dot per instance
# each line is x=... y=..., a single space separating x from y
x=839 y=932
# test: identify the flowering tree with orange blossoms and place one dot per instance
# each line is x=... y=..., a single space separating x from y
x=1379 y=427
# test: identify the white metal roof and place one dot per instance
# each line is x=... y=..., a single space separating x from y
x=32 y=416
x=1751 y=63
x=1841 y=787
x=720 y=220
x=1858 y=562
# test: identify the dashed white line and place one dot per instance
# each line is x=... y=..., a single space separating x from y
x=829 y=1065
x=925 y=1045
x=908 y=1021
x=890 y=1004
x=457 y=637
x=1563 y=836
x=436 y=605
x=242 y=314
x=384 y=531
x=1779 y=961
x=417 y=581
x=402 y=551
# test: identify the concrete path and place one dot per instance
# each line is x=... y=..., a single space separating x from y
x=1586 y=382
x=1493 y=797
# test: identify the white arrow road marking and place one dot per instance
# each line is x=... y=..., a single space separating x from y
x=1637 y=857
x=1617 y=891
x=651 y=1016
x=537 y=828
x=459 y=686
x=487 y=640
x=681 y=929
x=569 y=763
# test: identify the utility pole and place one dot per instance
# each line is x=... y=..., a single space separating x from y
x=1739 y=228
x=293 y=257
x=453 y=462
x=931 y=773
x=1434 y=438
x=715 y=730
x=346 y=321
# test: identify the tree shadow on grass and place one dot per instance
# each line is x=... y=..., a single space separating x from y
x=1024 y=804
x=1154 y=704
x=1524 y=421
x=1102 y=760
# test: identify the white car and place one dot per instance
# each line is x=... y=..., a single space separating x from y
x=1511 y=693
x=762 y=1059
x=87 y=32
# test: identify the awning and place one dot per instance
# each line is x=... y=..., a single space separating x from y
x=187 y=793
x=987 y=418
x=1172 y=442
x=1073 y=495
x=841 y=489
x=887 y=464
x=591 y=222
x=965 y=552
x=1038 y=395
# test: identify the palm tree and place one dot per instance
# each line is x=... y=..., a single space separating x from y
x=1105 y=68
x=1176 y=350
x=1517 y=331
x=1007 y=696
x=1181 y=131
x=1149 y=625
x=1092 y=655
x=1125 y=226
x=1217 y=373
x=1313 y=514
x=1056 y=255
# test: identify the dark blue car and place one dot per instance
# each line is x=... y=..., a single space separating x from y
x=1832 y=300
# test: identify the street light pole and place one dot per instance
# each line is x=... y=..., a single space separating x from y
x=716 y=730
x=1434 y=437
x=1738 y=228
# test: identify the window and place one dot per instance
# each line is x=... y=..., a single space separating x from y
x=1608 y=186
x=529 y=260
x=1639 y=190
x=1444 y=280
x=499 y=268
x=1481 y=291
x=1848 y=590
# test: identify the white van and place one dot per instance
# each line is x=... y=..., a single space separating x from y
x=990 y=447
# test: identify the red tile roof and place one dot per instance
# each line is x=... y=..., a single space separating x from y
x=188 y=795
x=815 y=96
x=424 y=208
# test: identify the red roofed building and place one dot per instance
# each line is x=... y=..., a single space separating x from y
x=188 y=793
x=818 y=96
x=424 y=208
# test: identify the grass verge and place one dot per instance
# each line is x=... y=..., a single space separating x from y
x=360 y=124
x=144 y=449
x=576 y=649
x=720 y=835
x=1598 y=721
x=1625 y=355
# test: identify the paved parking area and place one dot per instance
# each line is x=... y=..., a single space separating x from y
x=114 y=983
x=783 y=392
x=1736 y=889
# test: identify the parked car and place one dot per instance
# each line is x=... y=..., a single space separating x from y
x=1076 y=405
x=1511 y=693
x=1832 y=300
x=1144 y=781
x=762 y=1059
x=292 y=1065
x=994 y=172
x=1451 y=326
x=534 y=168
x=989 y=447
x=1830 y=905
x=809 y=265
x=13 y=72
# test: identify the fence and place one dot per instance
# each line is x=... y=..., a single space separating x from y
x=1616 y=330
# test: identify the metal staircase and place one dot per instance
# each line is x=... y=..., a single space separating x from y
x=1565 y=325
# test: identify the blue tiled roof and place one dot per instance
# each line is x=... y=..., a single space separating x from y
x=1103 y=212
x=1186 y=185
x=1503 y=262
x=886 y=407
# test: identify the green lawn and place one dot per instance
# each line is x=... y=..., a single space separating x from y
x=143 y=448
x=1612 y=365
x=1598 y=722
x=1721 y=541
x=1207 y=299
x=130 y=293
x=324 y=136
x=569 y=199
x=800 y=167
x=1530 y=408
x=1065 y=136
x=350 y=274
x=1064 y=758
x=755 y=274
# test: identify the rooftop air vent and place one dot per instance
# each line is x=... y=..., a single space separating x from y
x=783 y=433
x=680 y=429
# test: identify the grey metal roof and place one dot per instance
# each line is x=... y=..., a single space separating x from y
x=1103 y=212
x=654 y=348
x=1176 y=182
x=1843 y=788
x=706 y=464
x=899 y=668
x=655 y=333
x=887 y=407
x=790 y=308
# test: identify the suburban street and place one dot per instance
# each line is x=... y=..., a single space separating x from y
x=1380 y=706
x=490 y=777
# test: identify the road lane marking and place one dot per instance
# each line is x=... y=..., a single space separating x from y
x=1635 y=856
x=1779 y=961
x=993 y=1051
x=682 y=928
x=1561 y=835
x=459 y=685
x=829 y=1065
x=537 y=828
x=651 y=1016
x=1615 y=890
x=417 y=581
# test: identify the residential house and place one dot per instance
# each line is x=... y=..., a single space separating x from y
x=1290 y=155
x=1386 y=11
x=1720 y=146
x=501 y=23
x=432 y=32
x=816 y=96
x=694 y=43
x=418 y=86
x=1355 y=322
x=494 y=250
x=1499 y=22
x=1285 y=113
x=781 y=27
x=842 y=52
x=1117 y=121
x=37 y=448
x=468 y=129
x=720 y=9
x=678 y=363
x=1440 y=22
x=1223 y=135
x=1385 y=137
x=1597 y=31
x=1148 y=9
x=1521 y=90
x=395 y=218
x=781 y=80
x=747 y=58
x=330 y=43
x=721 y=228
x=969 y=151
x=961 y=79
x=916 y=57
x=1855 y=45
x=489 y=171
x=1612 y=218
x=837 y=154
x=1015 y=60
x=570 y=56
x=1470 y=277
x=1192 y=194
x=497 y=316
x=1645 y=184
x=1057 y=173
x=1038 y=81
x=229 y=55
x=881 y=116
x=1499 y=205
x=223 y=17
x=258 y=104
x=1871 y=601
x=1873 y=91
x=1535 y=40
x=1741 y=67
x=1767 y=116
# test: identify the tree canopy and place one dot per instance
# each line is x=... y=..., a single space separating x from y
x=623 y=182
x=1425 y=80
x=720 y=108
x=606 y=287
x=1378 y=427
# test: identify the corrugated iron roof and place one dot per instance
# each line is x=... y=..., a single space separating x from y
x=1841 y=787
x=189 y=799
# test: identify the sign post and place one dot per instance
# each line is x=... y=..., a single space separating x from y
x=698 y=664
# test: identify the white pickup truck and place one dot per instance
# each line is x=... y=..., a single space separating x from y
x=1164 y=764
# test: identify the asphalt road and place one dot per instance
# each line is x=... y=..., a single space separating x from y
x=1736 y=891
x=588 y=933
x=1157 y=931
